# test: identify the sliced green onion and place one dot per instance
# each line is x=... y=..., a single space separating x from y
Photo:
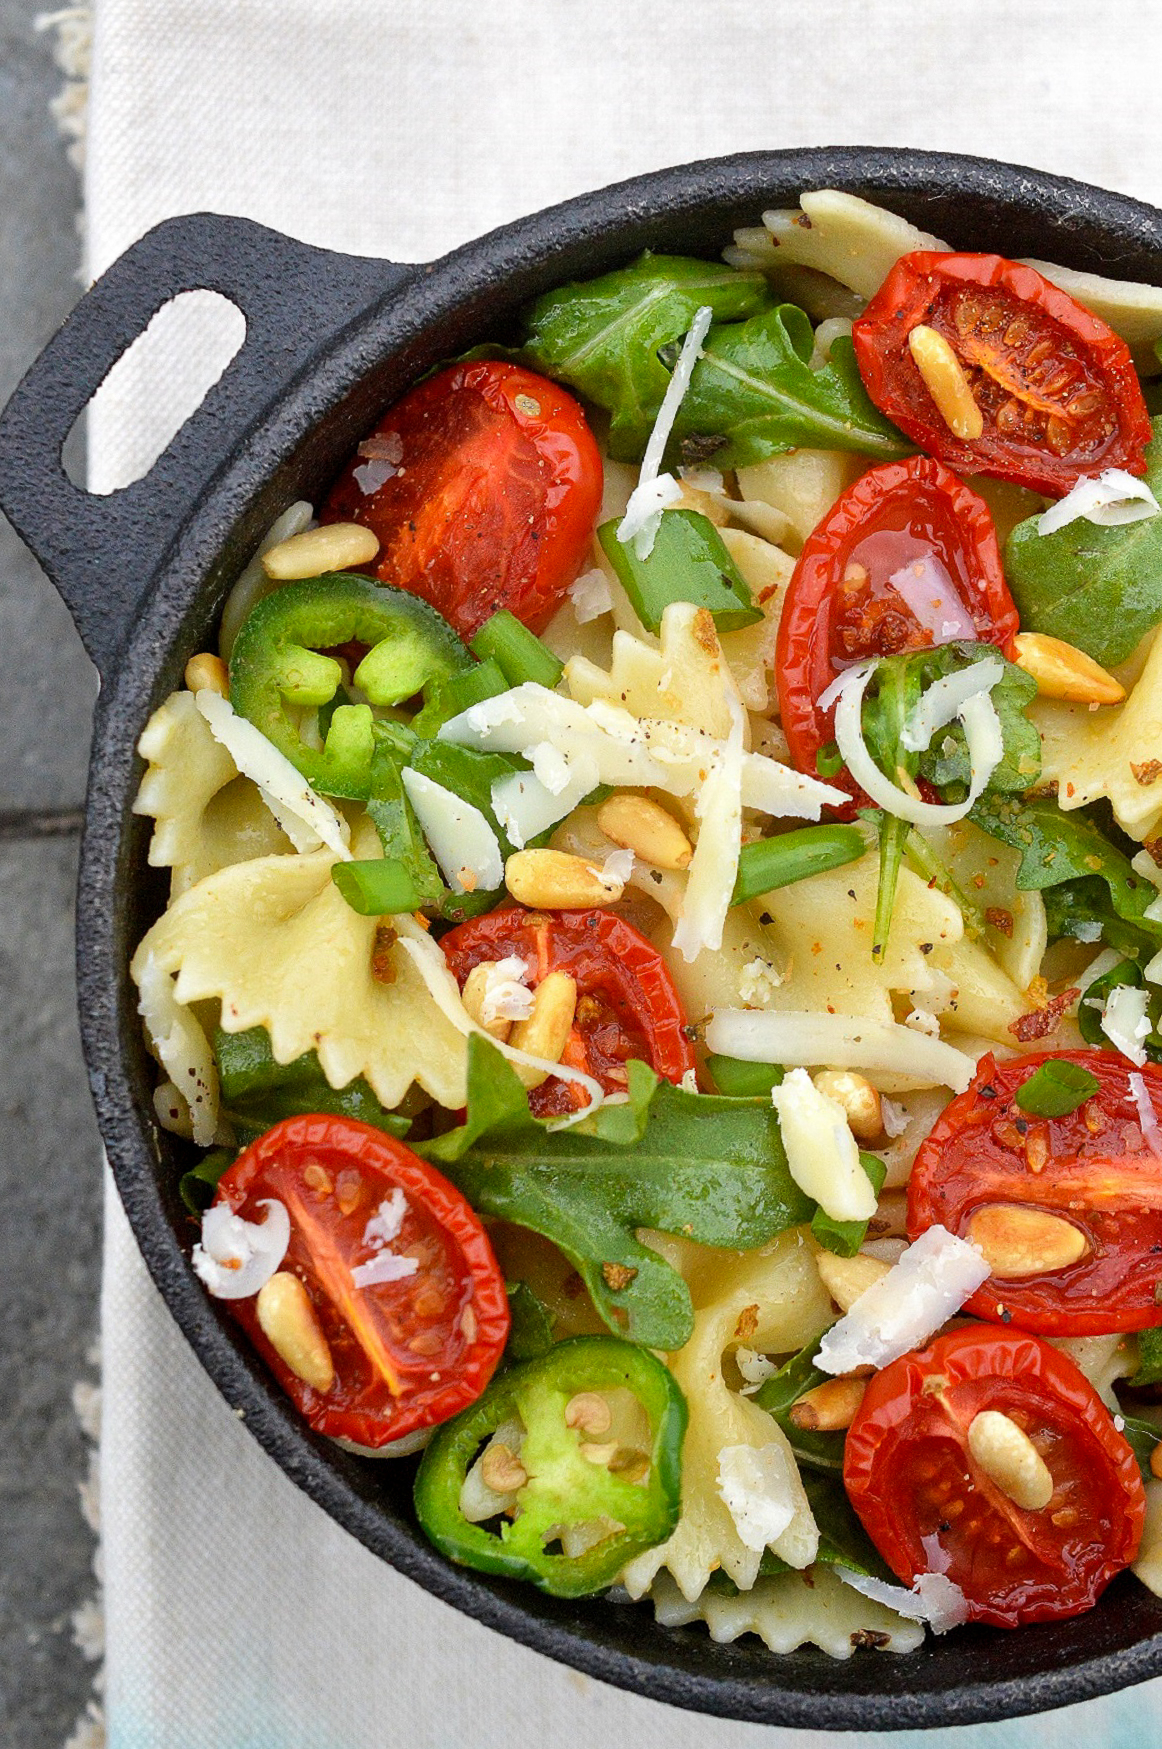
x=458 y=693
x=517 y=652
x=737 y=1079
x=893 y=836
x=846 y=1237
x=689 y=561
x=380 y=888
x=770 y=863
x=1056 y=1088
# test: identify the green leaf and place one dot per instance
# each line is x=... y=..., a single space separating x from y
x=707 y=1168
x=1059 y=849
x=739 y=1079
x=1098 y=588
x=1149 y=1355
x=604 y=336
x=531 y=1331
x=1056 y=1088
x=755 y=390
x=782 y=1391
x=1141 y=1437
x=197 y=1186
x=257 y=1092
x=846 y=1237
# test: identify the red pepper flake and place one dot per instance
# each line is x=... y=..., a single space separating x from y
x=1000 y=919
x=617 y=1275
x=1044 y=1020
x=1149 y=771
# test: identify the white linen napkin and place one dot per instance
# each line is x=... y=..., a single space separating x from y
x=238 y=1614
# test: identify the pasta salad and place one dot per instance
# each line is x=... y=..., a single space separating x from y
x=661 y=987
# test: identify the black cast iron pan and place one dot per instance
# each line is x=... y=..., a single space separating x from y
x=331 y=340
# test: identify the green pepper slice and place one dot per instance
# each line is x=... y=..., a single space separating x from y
x=279 y=670
x=564 y=1490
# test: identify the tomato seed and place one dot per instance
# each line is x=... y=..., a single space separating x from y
x=318 y=1179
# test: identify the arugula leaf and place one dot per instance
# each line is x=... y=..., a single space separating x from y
x=1149 y=1357
x=1141 y=1437
x=531 y=1332
x=604 y=336
x=778 y=1396
x=846 y=1237
x=197 y=1186
x=709 y=1168
x=257 y=1092
x=755 y=390
x=1098 y=588
x=1068 y=851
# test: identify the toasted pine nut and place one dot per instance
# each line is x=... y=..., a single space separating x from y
x=1018 y=1240
x=1009 y=1458
x=207 y=672
x=476 y=986
x=1156 y=1461
x=830 y=1406
x=946 y=382
x=501 y=1469
x=859 y=1099
x=316 y=550
x=1061 y=671
x=552 y=880
x=845 y=1278
x=640 y=825
x=589 y=1412
x=546 y=1031
x=599 y=1454
x=287 y=1319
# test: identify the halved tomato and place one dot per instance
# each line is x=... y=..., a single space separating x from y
x=931 y=1506
x=989 y=1170
x=398 y=1270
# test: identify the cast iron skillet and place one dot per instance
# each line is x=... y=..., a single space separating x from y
x=331 y=341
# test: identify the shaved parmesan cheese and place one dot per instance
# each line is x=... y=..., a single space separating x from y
x=1110 y=500
x=755 y=1368
x=757 y=1487
x=714 y=866
x=934 y=1598
x=506 y=995
x=462 y=841
x=926 y=587
x=982 y=733
x=526 y=807
x=757 y=982
x=617 y=867
x=906 y=1306
x=237 y=1257
x=387 y=1221
x=1147 y=1116
x=181 y=1046
x=305 y=817
x=1125 y=1021
x=388 y=1266
x=945 y=699
x=895 y=1118
x=654 y=493
x=822 y=1153
x=591 y=596
x=837 y=1041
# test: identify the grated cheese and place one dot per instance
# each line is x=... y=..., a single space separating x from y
x=461 y=839
x=822 y=1153
x=1147 y=1116
x=934 y=1598
x=1110 y=499
x=1125 y=1021
x=236 y=1257
x=656 y=492
x=801 y=1038
x=305 y=817
x=591 y=596
x=385 y=1267
x=756 y=1485
x=906 y=1306
x=714 y=865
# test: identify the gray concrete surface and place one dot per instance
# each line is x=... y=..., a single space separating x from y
x=49 y=1160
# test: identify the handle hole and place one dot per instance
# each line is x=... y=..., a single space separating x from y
x=156 y=385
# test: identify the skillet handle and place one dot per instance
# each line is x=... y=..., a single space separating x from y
x=101 y=552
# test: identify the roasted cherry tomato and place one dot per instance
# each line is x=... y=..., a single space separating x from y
x=411 y=1349
x=627 y=1005
x=1056 y=388
x=483 y=485
x=909 y=526
x=930 y=1505
x=991 y=1172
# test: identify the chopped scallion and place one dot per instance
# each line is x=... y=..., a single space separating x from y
x=517 y=652
x=794 y=856
x=379 y=888
x=1056 y=1088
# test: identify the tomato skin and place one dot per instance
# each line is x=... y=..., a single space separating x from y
x=498 y=486
x=910 y=1477
x=458 y=1270
x=905 y=510
x=627 y=1005
x=977 y=1154
x=1027 y=347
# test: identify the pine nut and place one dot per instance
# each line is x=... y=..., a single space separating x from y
x=1061 y=671
x=946 y=382
x=316 y=550
x=287 y=1319
x=830 y=1406
x=859 y=1099
x=1017 y=1240
x=588 y=1412
x=552 y=880
x=845 y=1278
x=546 y=1031
x=207 y=672
x=1156 y=1462
x=476 y=987
x=643 y=826
x=1009 y=1458
x=501 y=1469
